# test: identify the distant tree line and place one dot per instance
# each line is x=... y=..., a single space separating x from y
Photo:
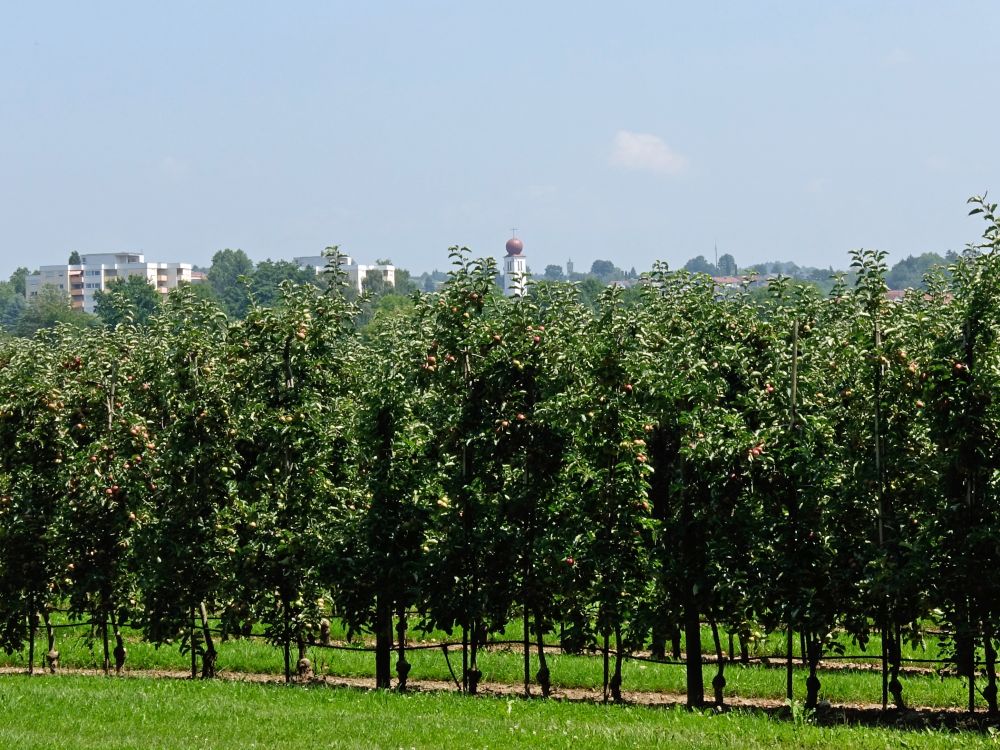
x=908 y=273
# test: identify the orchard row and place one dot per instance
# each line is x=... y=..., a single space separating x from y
x=782 y=462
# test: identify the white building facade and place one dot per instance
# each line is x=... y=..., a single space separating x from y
x=96 y=270
x=356 y=273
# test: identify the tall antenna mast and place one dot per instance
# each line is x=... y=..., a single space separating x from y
x=716 y=256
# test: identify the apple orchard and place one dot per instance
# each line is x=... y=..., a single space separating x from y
x=680 y=464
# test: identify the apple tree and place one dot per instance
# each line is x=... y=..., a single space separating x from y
x=34 y=444
x=293 y=437
x=184 y=532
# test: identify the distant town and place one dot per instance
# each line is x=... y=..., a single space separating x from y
x=72 y=292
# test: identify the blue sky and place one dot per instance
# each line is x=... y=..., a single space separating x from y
x=631 y=131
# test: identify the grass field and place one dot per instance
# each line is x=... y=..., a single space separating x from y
x=506 y=666
x=250 y=655
x=85 y=713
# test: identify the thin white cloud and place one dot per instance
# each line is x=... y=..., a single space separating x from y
x=898 y=56
x=173 y=168
x=538 y=192
x=646 y=152
x=817 y=185
x=938 y=163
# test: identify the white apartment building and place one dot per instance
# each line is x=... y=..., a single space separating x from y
x=97 y=270
x=356 y=274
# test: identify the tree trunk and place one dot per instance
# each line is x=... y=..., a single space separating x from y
x=675 y=642
x=528 y=531
x=194 y=651
x=303 y=667
x=469 y=587
x=527 y=653
x=287 y=646
x=658 y=641
x=120 y=652
x=885 y=663
x=606 y=678
x=792 y=501
x=880 y=486
x=474 y=673
x=616 y=678
x=383 y=643
x=32 y=627
x=744 y=648
x=789 y=692
x=465 y=658
x=965 y=652
x=402 y=666
x=814 y=651
x=895 y=663
x=970 y=621
x=719 y=681
x=209 y=655
x=543 y=668
x=692 y=638
x=990 y=692
x=52 y=657
x=104 y=638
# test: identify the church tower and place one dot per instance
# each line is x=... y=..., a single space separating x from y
x=515 y=269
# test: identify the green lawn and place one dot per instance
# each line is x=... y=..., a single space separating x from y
x=94 y=712
x=505 y=666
